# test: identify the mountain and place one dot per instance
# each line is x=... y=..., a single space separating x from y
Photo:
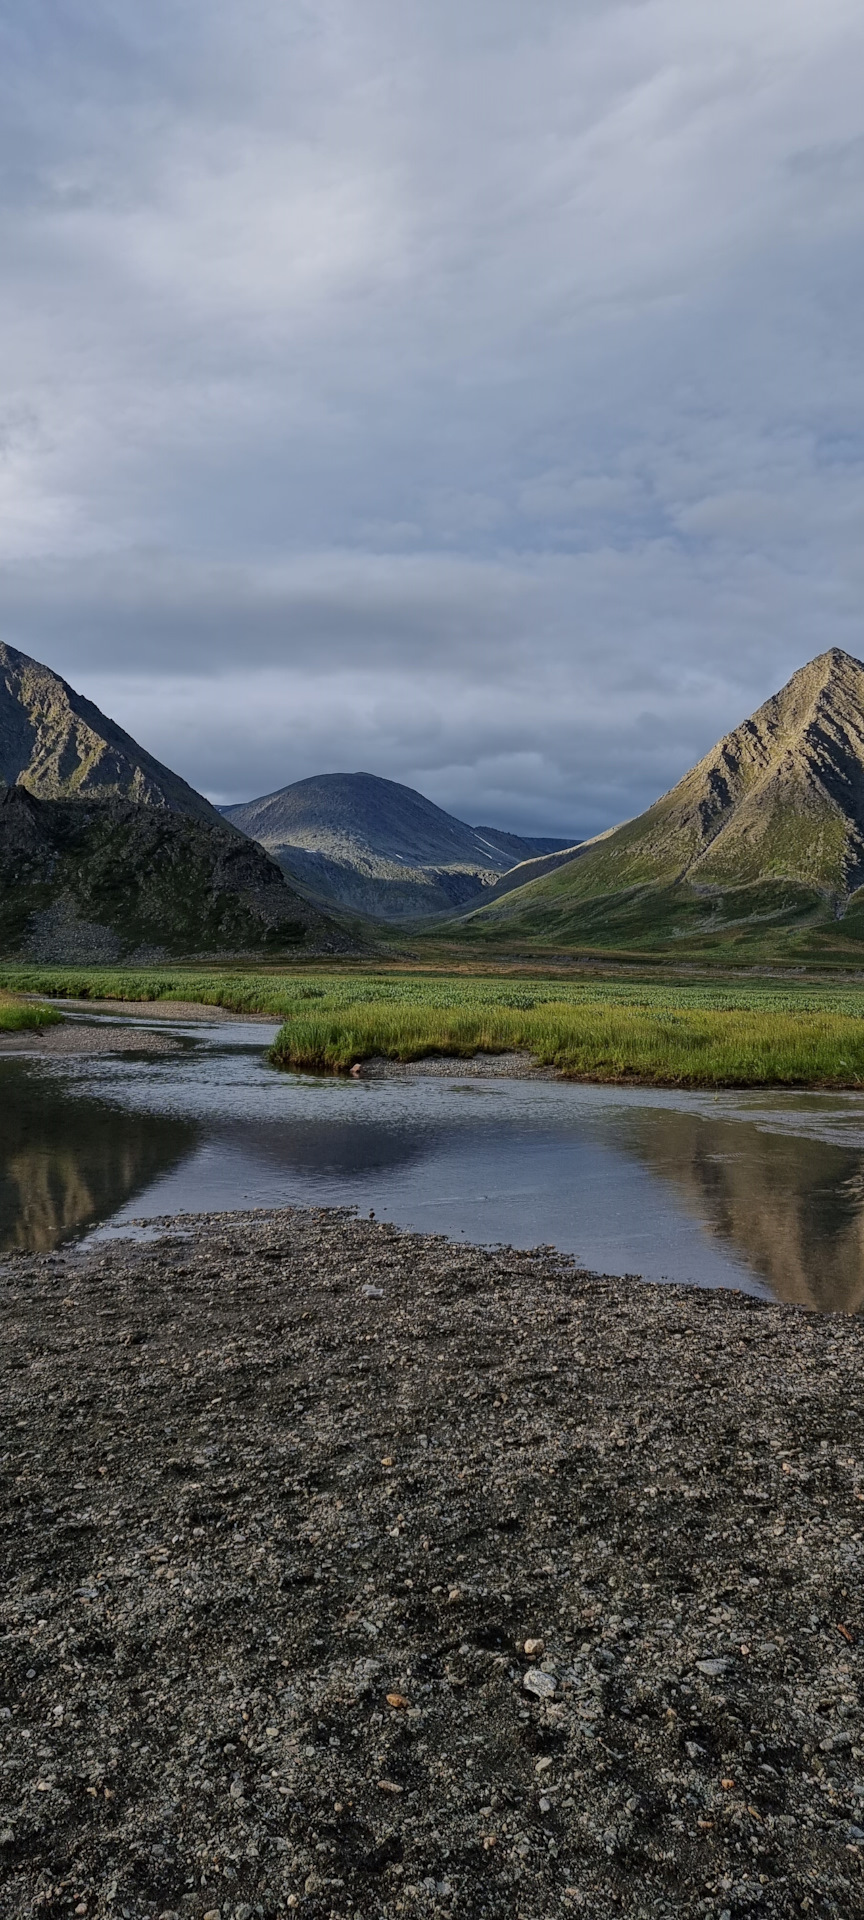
x=767 y=832
x=60 y=747
x=107 y=854
x=95 y=881
x=376 y=847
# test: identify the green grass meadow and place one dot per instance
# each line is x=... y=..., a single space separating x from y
x=657 y=1041
x=18 y=1016
x=696 y=1034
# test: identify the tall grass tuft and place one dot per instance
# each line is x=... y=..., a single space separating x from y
x=708 y=1047
x=20 y=1016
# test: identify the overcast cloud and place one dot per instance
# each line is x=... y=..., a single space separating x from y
x=466 y=393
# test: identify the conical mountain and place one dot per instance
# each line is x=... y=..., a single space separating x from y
x=105 y=854
x=769 y=824
x=60 y=747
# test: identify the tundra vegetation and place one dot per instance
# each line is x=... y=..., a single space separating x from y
x=730 y=1033
x=17 y=1016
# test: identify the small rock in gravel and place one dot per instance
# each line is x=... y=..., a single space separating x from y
x=542 y=1685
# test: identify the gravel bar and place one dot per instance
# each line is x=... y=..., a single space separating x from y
x=351 y=1571
x=78 y=1036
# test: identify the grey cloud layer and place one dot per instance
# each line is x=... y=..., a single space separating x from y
x=469 y=394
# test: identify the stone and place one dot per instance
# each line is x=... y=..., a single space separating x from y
x=540 y=1684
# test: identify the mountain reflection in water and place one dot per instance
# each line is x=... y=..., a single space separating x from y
x=62 y=1173
x=762 y=1191
x=792 y=1206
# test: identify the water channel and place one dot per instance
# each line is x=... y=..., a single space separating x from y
x=763 y=1191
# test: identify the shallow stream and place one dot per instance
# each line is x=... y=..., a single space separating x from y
x=762 y=1191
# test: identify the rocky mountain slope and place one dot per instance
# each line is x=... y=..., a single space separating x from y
x=105 y=853
x=60 y=747
x=379 y=848
x=95 y=881
x=768 y=827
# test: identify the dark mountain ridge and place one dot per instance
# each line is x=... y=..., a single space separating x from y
x=98 y=881
x=59 y=746
x=105 y=853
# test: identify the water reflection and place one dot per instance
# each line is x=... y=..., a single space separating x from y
x=759 y=1191
x=794 y=1208
x=62 y=1168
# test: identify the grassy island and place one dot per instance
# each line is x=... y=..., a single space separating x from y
x=679 y=1036
x=708 y=1033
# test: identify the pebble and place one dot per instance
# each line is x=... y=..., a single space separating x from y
x=305 y=1581
x=540 y=1684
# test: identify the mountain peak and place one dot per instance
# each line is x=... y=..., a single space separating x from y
x=779 y=800
x=59 y=746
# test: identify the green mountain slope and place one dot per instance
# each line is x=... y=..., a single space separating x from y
x=60 y=747
x=765 y=834
x=98 y=881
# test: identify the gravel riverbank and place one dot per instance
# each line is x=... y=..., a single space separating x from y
x=349 y=1571
x=79 y=1036
x=446 y=1066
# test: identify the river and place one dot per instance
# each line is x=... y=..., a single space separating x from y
x=762 y=1191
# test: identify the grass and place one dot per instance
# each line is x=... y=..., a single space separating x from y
x=730 y=1033
x=18 y=1016
x=704 y=1047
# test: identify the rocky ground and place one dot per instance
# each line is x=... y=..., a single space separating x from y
x=348 y=1571
x=443 y=1066
x=79 y=1036
x=110 y=1036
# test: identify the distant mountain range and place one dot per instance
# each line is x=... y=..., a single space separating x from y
x=357 y=842
x=106 y=854
x=767 y=831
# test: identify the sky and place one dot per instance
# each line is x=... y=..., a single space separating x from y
x=467 y=394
